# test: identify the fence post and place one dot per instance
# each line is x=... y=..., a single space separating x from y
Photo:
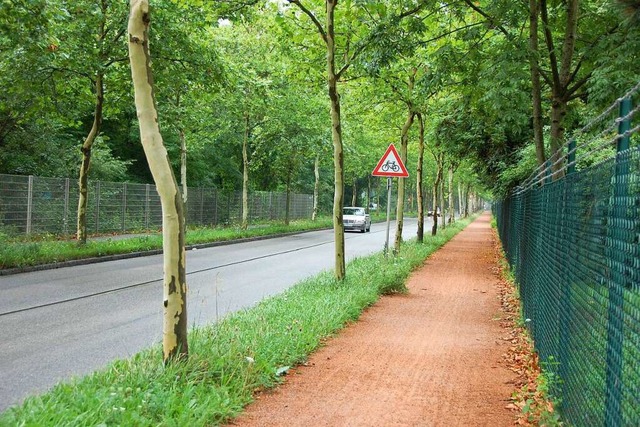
x=65 y=219
x=97 y=216
x=618 y=278
x=29 y=203
x=146 y=206
x=202 y=206
x=124 y=207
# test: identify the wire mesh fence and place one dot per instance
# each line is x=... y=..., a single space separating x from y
x=573 y=243
x=30 y=204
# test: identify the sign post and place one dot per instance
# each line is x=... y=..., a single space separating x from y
x=390 y=165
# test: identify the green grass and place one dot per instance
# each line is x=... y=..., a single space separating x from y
x=45 y=250
x=228 y=360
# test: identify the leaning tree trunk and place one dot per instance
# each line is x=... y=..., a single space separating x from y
x=83 y=180
x=419 y=179
x=174 y=339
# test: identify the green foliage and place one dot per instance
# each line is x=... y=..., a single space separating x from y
x=229 y=360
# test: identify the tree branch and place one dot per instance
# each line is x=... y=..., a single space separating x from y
x=311 y=16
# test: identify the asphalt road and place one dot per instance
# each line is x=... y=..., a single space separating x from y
x=68 y=322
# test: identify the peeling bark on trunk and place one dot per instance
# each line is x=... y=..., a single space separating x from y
x=174 y=341
x=419 y=179
x=316 y=187
x=245 y=173
x=83 y=179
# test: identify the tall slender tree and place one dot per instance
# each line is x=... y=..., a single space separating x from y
x=174 y=338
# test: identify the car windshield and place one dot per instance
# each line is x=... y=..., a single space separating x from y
x=353 y=211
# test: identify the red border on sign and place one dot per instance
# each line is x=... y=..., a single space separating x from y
x=402 y=173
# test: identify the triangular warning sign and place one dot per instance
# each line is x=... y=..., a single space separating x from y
x=391 y=165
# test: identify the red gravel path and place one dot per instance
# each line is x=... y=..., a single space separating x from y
x=428 y=358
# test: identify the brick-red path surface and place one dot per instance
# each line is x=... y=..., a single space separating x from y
x=432 y=357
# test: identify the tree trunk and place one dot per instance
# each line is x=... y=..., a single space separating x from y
x=354 y=196
x=466 y=200
x=86 y=161
x=419 y=179
x=451 y=210
x=561 y=78
x=183 y=167
x=443 y=208
x=536 y=91
x=404 y=142
x=436 y=188
x=369 y=193
x=174 y=340
x=460 y=200
x=336 y=135
x=245 y=173
x=316 y=187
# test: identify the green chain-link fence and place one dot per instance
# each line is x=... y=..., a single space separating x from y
x=573 y=241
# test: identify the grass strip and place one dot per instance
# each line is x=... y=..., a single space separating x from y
x=16 y=253
x=229 y=360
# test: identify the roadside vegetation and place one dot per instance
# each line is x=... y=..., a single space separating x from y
x=16 y=252
x=26 y=251
x=230 y=360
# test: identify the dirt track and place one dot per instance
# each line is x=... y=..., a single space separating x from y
x=428 y=358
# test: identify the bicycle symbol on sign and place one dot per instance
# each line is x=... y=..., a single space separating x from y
x=390 y=165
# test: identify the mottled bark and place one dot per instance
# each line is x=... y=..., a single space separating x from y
x=354 y=192
x=174 y=340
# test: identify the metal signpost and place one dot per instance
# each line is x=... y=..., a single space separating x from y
x=390 y=166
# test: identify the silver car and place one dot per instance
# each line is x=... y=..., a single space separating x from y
x=356 y=218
